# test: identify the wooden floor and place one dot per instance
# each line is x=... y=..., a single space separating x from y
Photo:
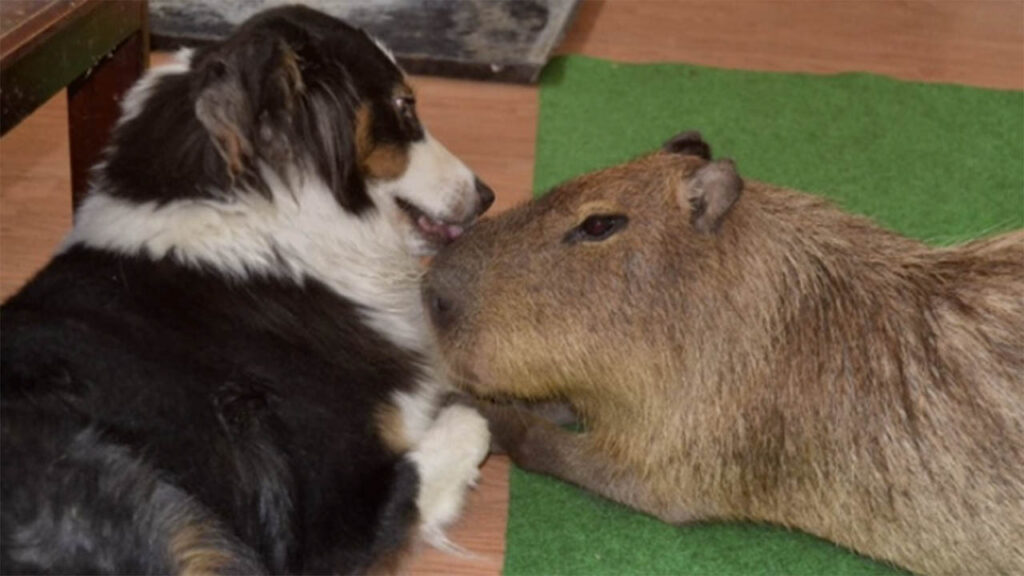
x=492 y=127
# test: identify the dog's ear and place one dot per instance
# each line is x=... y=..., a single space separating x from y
x=245 y=94
x=710 y=193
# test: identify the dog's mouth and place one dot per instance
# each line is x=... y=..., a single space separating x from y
x=434 y=230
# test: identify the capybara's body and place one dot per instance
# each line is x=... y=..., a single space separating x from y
x=760 y=356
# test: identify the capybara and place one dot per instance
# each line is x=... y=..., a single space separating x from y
x=739 y=351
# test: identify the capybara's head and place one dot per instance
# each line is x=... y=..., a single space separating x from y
x=562 y=295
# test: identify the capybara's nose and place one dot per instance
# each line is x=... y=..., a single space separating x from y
x=440 y=303
x=486 y=196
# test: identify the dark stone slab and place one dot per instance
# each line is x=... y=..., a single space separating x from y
x=501 y=40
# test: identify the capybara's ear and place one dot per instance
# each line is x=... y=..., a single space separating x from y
x=689 y=143
x=710 y=193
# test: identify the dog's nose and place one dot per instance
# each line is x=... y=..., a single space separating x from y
x=486 y=195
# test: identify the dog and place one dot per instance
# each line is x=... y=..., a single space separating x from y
x=226 y=368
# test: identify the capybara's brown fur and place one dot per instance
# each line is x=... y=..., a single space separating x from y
x=736 y=350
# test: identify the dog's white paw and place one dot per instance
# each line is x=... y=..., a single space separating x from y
x=448 y=458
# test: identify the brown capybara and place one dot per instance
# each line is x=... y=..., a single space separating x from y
x=740 y=351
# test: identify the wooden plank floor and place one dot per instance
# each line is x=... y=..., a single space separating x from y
x=493 y=126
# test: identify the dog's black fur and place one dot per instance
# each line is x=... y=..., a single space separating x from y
x=172 y=156
x=252 y=400
x=164 y=418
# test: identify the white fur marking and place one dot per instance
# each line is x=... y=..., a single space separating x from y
x=448 y=459
x=436 y=182
x=419 y=407
x=303 y=233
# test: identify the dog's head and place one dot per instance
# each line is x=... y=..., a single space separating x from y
x=294 y=92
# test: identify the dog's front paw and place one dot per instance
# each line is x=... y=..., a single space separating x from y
x=448 y=459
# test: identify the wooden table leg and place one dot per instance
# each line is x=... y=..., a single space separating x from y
x=94 y=105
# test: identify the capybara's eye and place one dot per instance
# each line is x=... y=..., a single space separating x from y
x=596 y=228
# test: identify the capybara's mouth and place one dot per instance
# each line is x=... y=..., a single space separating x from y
x=433 y=229
x=465 y=378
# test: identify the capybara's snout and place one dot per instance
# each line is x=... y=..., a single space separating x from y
x=446 y=289
x=441 y=301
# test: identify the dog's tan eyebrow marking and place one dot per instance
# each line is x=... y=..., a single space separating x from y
x=403 y=90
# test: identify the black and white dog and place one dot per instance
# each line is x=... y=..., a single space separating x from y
x=226 y=368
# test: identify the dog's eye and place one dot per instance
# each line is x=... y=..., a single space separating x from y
x=596 y=228
x=406 y=105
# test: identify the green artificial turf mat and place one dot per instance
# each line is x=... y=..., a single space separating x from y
x=938 y=162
